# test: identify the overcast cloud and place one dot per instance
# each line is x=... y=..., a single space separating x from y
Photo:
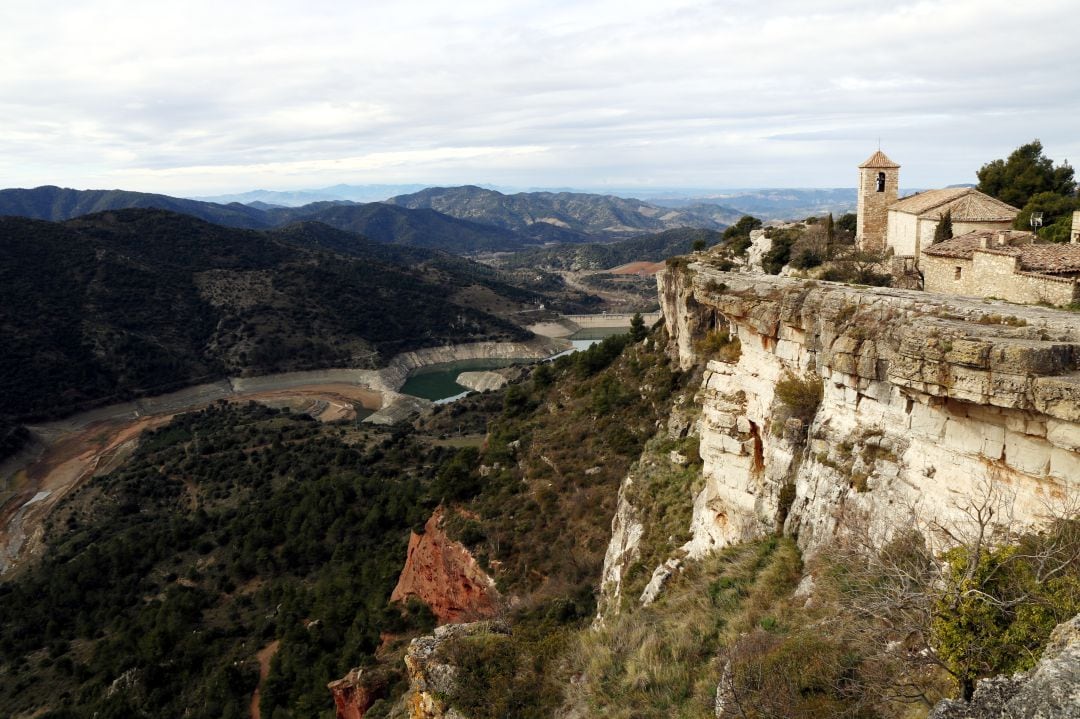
x=202 y=97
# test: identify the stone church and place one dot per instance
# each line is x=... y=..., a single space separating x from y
x=984 y=258
x=906 y=226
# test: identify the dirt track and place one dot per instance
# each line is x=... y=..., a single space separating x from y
x=78 y=448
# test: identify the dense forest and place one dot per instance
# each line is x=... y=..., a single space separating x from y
x=108 y=306
x=230 y=528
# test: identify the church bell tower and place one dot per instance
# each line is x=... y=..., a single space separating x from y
x=879 y=184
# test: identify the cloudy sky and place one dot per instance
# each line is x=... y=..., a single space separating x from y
x=200 y=97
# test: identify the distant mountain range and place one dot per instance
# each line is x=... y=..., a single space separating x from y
x=296 y=198
x=462 y=220
x=131 y=301
x=771 y=204
x=565 y=216
x=58 y=204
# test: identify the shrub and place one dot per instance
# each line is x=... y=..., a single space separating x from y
x=801 y=397
x=719 y=344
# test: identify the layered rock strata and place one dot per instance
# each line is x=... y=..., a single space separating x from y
x=929 y=404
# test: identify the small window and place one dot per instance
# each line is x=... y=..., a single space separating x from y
x=957 y=272
x=881 y=182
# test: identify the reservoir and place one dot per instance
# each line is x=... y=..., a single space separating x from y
x=437 y=382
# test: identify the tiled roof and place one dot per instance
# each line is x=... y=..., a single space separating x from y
x=966 y=204
x=1050 y=259
x=961 y=247
x=919 y=203
x=1046 y=258
x=879 y=159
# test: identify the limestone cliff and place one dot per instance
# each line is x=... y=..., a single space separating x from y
x=444 y=575
x=926 y=400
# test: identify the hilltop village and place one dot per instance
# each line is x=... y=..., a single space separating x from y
x=984 y=256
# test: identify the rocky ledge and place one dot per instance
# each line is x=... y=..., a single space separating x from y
x=924 y=403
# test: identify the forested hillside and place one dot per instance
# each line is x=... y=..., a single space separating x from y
x=240 y=526
x=599 y=256
x=401 y=226
x=464 y=220
x=143 y=301
x=230 y=529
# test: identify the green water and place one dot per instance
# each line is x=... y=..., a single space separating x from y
x=437 y=381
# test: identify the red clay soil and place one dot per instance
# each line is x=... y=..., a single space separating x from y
x=265 y=655
x=441 y=573
x=637 y=268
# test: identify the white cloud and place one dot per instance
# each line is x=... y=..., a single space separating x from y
x=200 y=97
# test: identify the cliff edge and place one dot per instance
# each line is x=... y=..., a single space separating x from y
x=825 y=405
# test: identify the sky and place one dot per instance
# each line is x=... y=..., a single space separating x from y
x=196 y=97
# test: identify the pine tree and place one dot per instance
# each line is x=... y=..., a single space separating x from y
x=943 y=231
x=637 y=327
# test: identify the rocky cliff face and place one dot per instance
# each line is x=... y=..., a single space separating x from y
x=444 y=575
x=928 y=403
x=431 y=677
x=352 y=697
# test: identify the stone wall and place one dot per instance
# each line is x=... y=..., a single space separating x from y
x=992 y=274
x=940 y=274
x=924 y=409
x=909 y=235
x=1000 y=276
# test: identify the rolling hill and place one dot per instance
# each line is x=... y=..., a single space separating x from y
x=403 y=226
x=380 y=222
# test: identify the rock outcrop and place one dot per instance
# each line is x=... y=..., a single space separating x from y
x=444 y=575
x=1049 y=691
x=431 y=678
x=481 y=381
x=352 y=696
x=928 y=403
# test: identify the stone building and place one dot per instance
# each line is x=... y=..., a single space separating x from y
x=1074 y=236
x=906 y=226
x=1005 y=264
x=879 y=184
x=913 y=220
